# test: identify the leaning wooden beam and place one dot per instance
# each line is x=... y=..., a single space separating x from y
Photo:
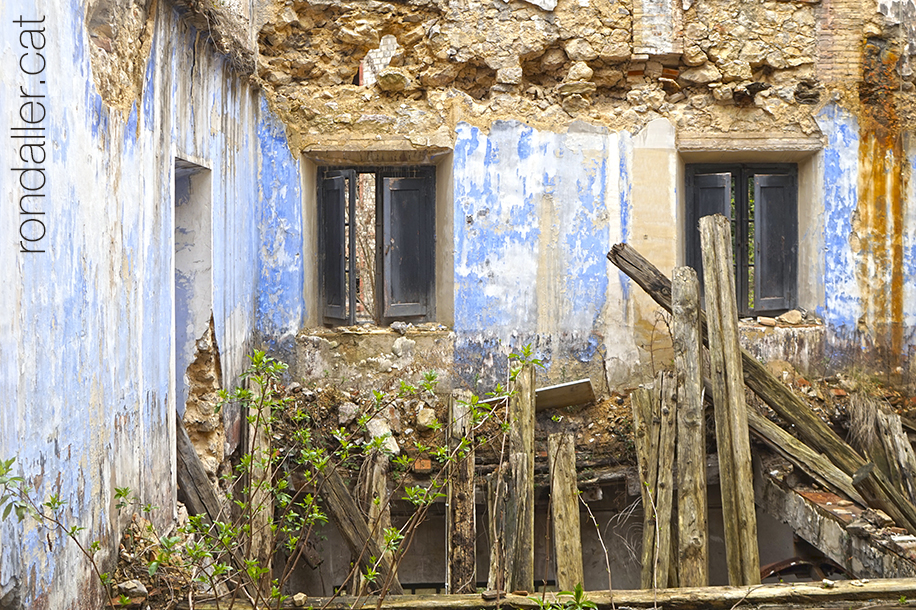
x=194 y=486
x=345 y=513
x=732 y=438
x=564 y=510
x=646 y=427
x=811 y=462
x=372 y=492
x=778 y=397
x=781 y=595
x=693 y=531
x=460 y=517
x=666 y=387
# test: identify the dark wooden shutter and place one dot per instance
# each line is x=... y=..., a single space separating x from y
x=708 y=194
x=407 y=246
x=331 y=247
x=776 y=237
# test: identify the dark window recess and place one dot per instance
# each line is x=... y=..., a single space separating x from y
x=762 y=202
x=376 y=244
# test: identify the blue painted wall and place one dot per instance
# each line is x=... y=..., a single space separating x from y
x=87 y=339
x=535 y=214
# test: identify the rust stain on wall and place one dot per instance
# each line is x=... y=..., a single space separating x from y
x=877 y=238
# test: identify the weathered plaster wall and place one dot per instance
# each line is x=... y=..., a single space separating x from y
x=88 y=339
x=535 y=213
x=828 y=85
x=281 y=305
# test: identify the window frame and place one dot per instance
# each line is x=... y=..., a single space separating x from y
x=386 y=311
x=742 y=179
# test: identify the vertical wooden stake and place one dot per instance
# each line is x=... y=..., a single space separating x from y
x=519 y=534
x=666 y=390
x=646 y=427
x=461 y=516
x=735 y=472
x=693 y=531
x=564 y=510
x=496 y=505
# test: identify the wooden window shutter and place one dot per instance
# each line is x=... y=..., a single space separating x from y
x=332 y=266
x=776 y=236
x=709 y=194
x=407 y=246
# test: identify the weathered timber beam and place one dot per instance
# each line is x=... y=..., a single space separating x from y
x=194 y=486
x=780 y=595
x=736 y=482
x=777 y=396
x=564 y=509
x=693 y=530
x=461 y=516
x=345 y=513
x=665 y=568
x=646 y=429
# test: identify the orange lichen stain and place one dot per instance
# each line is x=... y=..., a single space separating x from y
x=877 y=239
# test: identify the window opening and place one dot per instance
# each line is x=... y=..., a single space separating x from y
x=761 y=203
x=376 y=244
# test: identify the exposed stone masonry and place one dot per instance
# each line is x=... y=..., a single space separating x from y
x=743 y=66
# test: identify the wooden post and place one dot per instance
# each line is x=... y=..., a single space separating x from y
x=519 y=522
x=693 y=531
x=511 y=495
x=496 y=504
x=461 y=517
x=646 y=428
x=666 y=389
x=732 y=438
x=346 y=515
x=372 y=491
x=819 y=437
x=564 y=509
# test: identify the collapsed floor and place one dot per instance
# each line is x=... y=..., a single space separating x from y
x=809 y=530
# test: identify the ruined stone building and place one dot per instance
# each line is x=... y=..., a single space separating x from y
x=190 y=179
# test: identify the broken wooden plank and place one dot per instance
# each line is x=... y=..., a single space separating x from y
x=571 y=394
x=732 y=437
x=343 y=510
x=646 y=428
x=564 y=510
x=666 y=387
x=693 y=529
x=194 y=486
x=815 y=433
x=461 y=516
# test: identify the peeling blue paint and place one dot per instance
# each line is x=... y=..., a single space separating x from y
x=625 y=154
x=87 y=372
x=840 y=200
x=280 y=308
